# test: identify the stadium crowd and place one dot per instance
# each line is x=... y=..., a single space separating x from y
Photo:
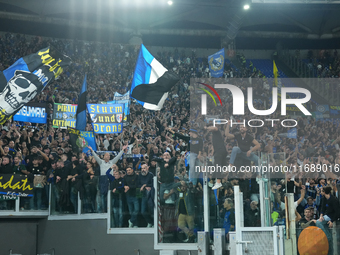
x=159 y=145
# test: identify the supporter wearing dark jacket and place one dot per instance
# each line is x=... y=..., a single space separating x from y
x=130 y=186
x=6 y=166
x=145 y=182
x=166 y=174
x=117 y=196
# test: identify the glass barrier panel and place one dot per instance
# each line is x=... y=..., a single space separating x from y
x=62 y=201
x=180 y=209
x=133 y=208
x=94 y=194
x=40 y=199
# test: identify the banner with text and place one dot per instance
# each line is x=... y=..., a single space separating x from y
x=106 y=118
x=15 y=185
x=64 y=115
x=334 y=111
x=32 y=112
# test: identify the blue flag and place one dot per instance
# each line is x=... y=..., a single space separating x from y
x=151 y=81
x=292 y=133
x=81 y=110
x=216 y=64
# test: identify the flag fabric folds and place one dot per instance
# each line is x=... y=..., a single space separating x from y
x=151 y=81
x=292 y=133
x=275 y=73
x=81 y=110
x=216 y=64
x=27 y=77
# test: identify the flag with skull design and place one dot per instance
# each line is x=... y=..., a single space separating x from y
x=27 y=77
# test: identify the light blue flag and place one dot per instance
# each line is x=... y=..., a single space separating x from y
x=292 y=133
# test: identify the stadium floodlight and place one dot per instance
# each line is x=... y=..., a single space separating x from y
x=246 y=6
x=170 y=2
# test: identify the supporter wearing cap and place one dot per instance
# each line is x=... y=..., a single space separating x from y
x=153 y=166
x=35 y=141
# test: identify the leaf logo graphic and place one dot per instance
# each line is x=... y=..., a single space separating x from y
x=213 y=90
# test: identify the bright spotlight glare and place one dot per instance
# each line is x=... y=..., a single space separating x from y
x=170 y=2
x=246 y=6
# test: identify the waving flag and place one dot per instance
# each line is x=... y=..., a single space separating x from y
x=151 y=81
x=26 y=78
x=292 y=133
x=216 y=64
x=81 y=110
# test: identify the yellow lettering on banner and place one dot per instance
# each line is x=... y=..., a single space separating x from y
x=108 y=129
x=111 y=108
x=335 y=107
x=98 y=109
x=86 y=134
x=107 y=119
x=96 y=127
x=100 y=119
x=60 y=70
x=119 y=109
x=55 y=66
x=59 y=107
x=16 y=185
x=3 y=117
x=45 y=57
x=113 y=118
x=104 y=109
x=23 y=186
x=114 y=128
x=101 y=128
x=92 y=108
x=119 y=128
